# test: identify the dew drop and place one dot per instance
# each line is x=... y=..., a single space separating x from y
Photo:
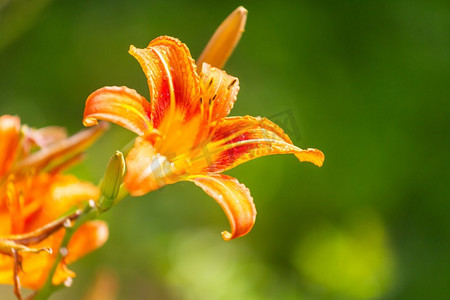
x=68 y=282
x=63 y=251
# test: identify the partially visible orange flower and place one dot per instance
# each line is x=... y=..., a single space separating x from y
x=185 y=134
x=33 y=194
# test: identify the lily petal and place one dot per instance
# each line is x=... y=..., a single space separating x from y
x=34 y=265
x=57 y=195
x=240 y=139
x=234 y=198
x=60 y=151
x=9 y=141
x=119 y=105
x=219 y=92
x=87 y=238
x=172 y=79
x=147 y=170
x=225 y=39
x=44 y=137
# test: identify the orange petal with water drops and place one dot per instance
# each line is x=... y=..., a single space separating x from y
x=119 y=105
x=240 y=139
x=9 y=141
x=224 y=39
x=172 y=79
x=219 y=92
x=233 y=197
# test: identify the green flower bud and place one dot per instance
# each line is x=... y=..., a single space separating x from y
x=112 y=180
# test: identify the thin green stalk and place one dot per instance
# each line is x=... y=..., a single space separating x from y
x=89 y=212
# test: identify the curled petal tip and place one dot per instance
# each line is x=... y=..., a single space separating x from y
x=227 y=236
x=235 y=200
x=312 y=155
x=90 y=122
x=119 y=105
x=132 y=49
x=321 y=158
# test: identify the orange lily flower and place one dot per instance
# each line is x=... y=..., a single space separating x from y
x=34 y=194
x=185 y=134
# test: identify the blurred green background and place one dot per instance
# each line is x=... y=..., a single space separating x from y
x=367 y=82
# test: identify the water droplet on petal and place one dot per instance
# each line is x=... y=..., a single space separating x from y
x=68 y=282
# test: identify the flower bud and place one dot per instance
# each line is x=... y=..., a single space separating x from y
x=112 y=180
x=224 y=40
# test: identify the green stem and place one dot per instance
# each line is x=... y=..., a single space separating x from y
x=89 y=212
